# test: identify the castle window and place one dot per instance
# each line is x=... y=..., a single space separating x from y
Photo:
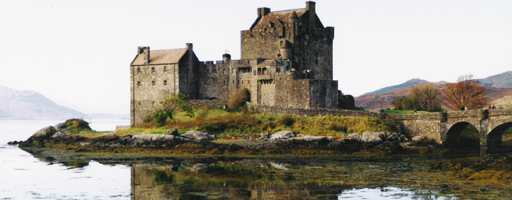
x=165 y=69
x=152 y=70
x=138 y=70
x=242 y=81
x=153 y=83
x=140 y=103
x=165 y=82
x=316 y=58
x=138 y=83
x=153 y=103
x=233 y=82
x=248 y=81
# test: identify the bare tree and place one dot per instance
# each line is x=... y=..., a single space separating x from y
x=466 y=93
x=426 y=97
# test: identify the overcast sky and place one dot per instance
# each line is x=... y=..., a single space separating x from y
x=78 y=53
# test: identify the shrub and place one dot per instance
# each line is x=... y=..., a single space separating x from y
x=238 y=98
x=160 y=116
x=285 y=120
x=77 y=125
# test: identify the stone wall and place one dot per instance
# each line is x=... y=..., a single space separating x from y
x=312 y=112
x=151 y=84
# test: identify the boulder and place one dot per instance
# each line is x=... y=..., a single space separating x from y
x=144 y=138
x=60 y=134
x=354 y=136
x=44 y=132
x=281 y=135
x=198 y=135
x=310 y=138
x=372 y=136
x=418 y=138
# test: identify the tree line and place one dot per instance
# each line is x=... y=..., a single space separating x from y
x=465 y=94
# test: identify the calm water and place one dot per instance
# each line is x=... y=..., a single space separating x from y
x=31 y=176
x=25 y=177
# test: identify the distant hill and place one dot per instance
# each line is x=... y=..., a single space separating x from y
x=19 y=104
x=408 y=83
x=503 y=80
x=498 y=89
x=498 y=96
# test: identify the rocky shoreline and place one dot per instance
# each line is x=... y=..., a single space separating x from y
x=195 y=142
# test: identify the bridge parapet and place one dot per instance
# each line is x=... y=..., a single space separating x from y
x=423 y=116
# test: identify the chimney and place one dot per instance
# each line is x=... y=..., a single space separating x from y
x=226 y=57
x=189 y=47
x=263 y=11
x=144 y=51
x=310 y=5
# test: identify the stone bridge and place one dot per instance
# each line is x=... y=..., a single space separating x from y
x=444 y=127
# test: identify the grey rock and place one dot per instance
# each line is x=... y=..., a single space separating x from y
x=310 y=138
x=372 y=136
x=198 y=135
x=355 y=136
x=281 y=135
x=418 y=138
x=44 y=132
x=60 y=134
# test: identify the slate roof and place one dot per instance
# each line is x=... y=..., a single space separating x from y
x=166 y=56
x=283 y=17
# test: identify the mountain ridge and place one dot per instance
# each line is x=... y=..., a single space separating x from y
x=25 y=104
x=498 y=89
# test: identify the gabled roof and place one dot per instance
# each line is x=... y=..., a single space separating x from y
x=167 y=56
x=284 y=17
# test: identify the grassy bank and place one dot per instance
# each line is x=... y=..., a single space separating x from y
x=234 y=122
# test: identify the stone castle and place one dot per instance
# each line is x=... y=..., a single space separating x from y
x=286 y=61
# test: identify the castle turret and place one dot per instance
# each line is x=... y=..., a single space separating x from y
x=286 y=50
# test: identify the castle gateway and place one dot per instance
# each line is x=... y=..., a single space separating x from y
x=286 y=61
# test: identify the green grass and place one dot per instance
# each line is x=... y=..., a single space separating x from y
x=219 y=121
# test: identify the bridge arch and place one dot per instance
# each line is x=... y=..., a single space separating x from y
x=495 y=137
x=463 y=135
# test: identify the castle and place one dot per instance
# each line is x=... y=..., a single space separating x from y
x=286 y=61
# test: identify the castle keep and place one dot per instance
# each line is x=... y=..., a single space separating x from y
x=286 y=61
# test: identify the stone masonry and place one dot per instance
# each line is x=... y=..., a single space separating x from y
x=286 y=61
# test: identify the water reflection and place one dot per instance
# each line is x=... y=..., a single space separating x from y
x=255 y=179
x=314 y=177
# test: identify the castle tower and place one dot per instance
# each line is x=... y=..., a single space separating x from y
x=309 y=40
